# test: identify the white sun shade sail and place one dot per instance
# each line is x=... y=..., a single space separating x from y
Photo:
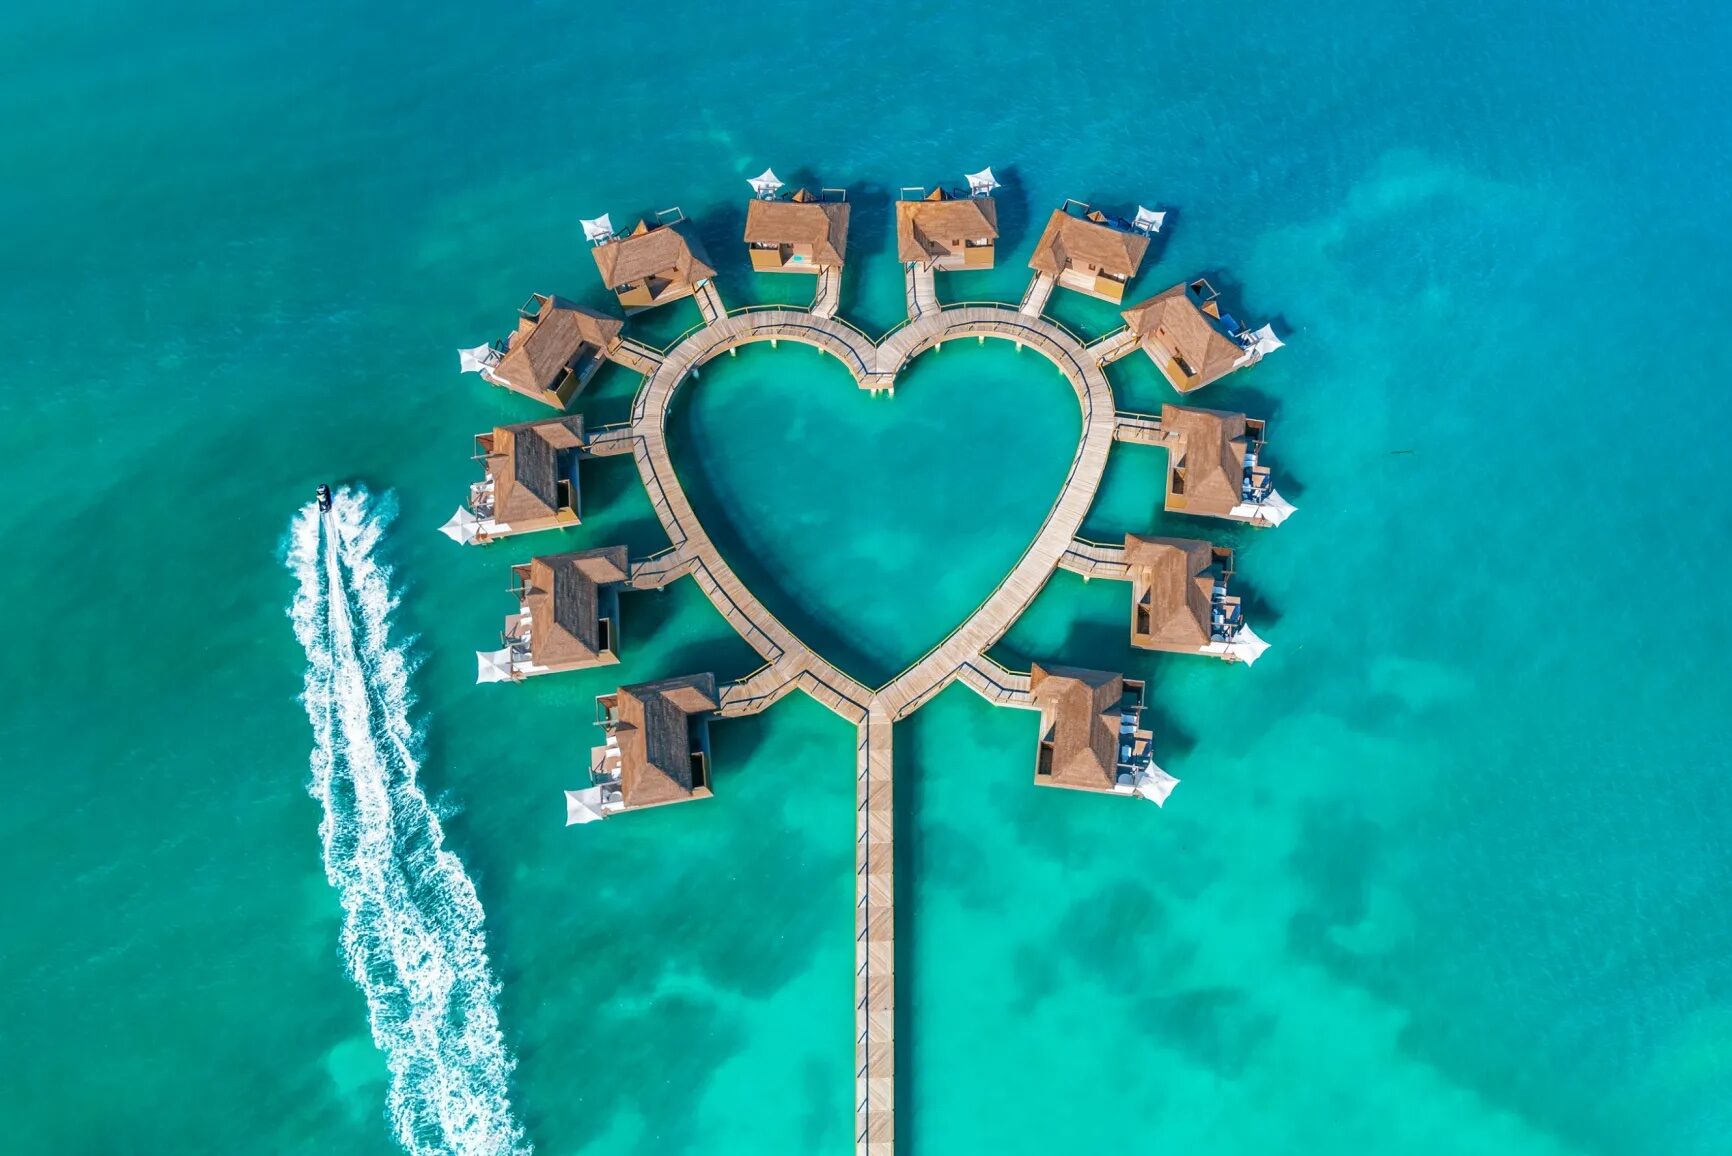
x=599 y=229
x=982 y=183
x=493 y=665
x=1275 y=509
x=1246 y=646
x=765 y=185
x=462 y=528
x=1155 y=785
x=1262 y=341
x=583 y=806
x=477 y=359
x=1148 y=220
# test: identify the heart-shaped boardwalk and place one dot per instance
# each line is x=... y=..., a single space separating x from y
x=790 y=664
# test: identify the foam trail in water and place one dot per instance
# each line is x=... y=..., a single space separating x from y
x=411 y=921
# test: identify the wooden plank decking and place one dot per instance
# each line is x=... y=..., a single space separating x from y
x=635 y=355
x=1096 y=560
x=1113 y=346
x=874 y=941
x=921 y=288
x=827 y=297
x=1034 y=299
x=789 y=663
x=1141 y=428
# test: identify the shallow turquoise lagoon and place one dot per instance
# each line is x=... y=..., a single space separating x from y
x=1445 y=873
x=836 y=504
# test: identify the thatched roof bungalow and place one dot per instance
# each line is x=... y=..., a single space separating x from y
x=568 y=611
x=947 y=232
x=555 y=350
x=1091 y=736
x=530 y=476
x=1090 y=253
x=653 y=265
x=1179 y=598
x=1184 y=332
x=1212 y=468
x=658 y=742
x=803 y=234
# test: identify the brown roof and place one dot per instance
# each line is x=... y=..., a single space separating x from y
x=655 y=737
x=1212 y=450
x=1175 y=572
x=670 y=251
x=525 y=466
x=1175 y=319
x=820 y=224
x=1070 y=242
x=542 y=348
x=937 y=226
x=562 y=597
x=1084 y=708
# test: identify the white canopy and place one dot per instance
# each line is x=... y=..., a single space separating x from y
x=600 y=229
x=1261 y=341
x=462 y=527
x=583 y=806
x=477 y=359
x=1275 y=509
x=1148 y=220
x=493 y=665
x=765 y=185
x=1246 y=646
x=982 y=183
x=1271 y=511
x=1155 y=785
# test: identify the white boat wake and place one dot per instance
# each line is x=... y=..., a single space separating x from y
x=411 y=920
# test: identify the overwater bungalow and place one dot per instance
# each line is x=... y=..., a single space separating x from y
x=1180 y=601
x=529 y=481
x=1213 y=469
x=801 y=234
x=1090 y=252
x=1091 y=734
x=941 y=230
x=555 y=350
x=567 y=618
x=657 y=750
x=1186 y=334
x=653 y=264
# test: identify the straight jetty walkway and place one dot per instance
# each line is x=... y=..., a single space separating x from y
x=790 y=664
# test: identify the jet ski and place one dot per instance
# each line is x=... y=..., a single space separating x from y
x=324 y=492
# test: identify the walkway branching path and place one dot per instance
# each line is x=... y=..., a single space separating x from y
x=790 y=664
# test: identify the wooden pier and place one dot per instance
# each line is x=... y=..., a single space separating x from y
x=789 y=664
x=1121 y=342
x=1096 y=560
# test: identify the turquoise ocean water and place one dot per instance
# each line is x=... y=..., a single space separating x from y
x=1446 y=871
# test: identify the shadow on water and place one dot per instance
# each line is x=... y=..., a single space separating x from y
x=1014 y=210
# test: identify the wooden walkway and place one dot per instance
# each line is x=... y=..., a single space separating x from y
x=997 y=685
x=1038 y=293
x=1096 y=560
x=827 y=297
x=709 y=300
x=657 y=570
x=921 y=288
x=608 y=440
x=1119 y=343
x=874 y=940
x=1141 y=428
x=790 y=664
x=635 y=355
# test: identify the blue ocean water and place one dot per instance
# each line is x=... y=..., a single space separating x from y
x=1442 y=875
